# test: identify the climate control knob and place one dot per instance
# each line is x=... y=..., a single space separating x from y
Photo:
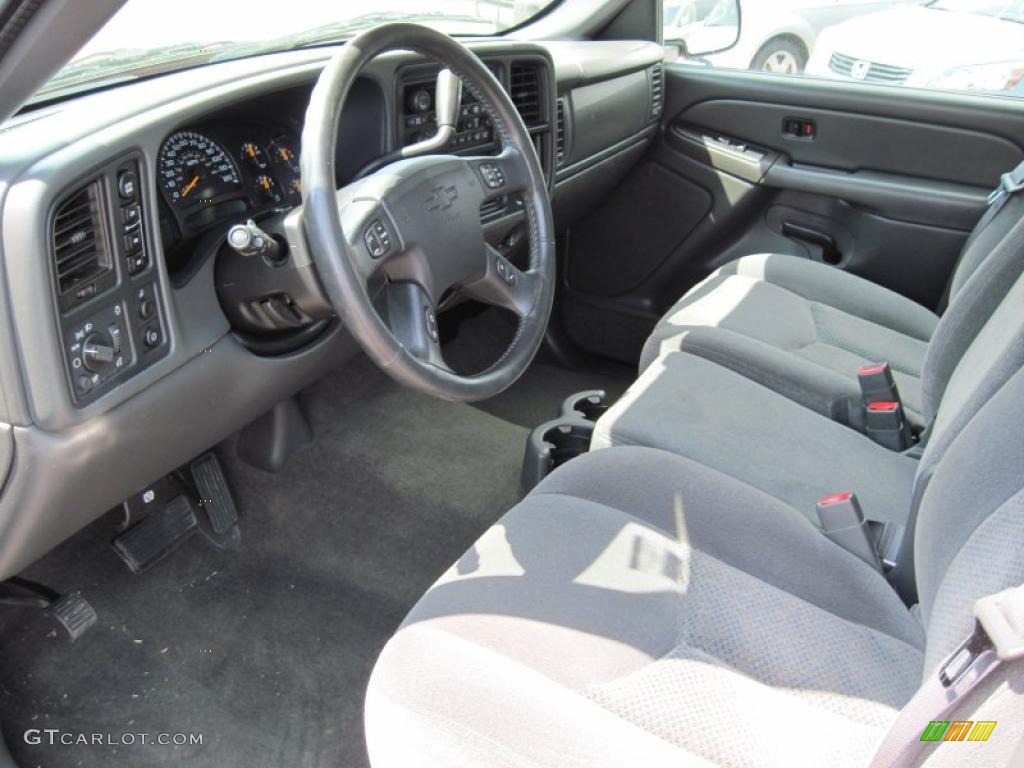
x=97 y=352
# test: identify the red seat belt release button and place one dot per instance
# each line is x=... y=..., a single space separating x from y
x=877 y=384
x=842 y=521
x=885 y=424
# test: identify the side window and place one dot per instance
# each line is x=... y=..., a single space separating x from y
x=952 y=45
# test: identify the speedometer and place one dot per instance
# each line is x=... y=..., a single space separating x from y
x=195 y=169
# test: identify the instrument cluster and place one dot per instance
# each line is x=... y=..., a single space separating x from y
x=226 y=171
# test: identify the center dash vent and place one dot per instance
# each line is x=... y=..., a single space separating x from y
x=524 y=89
x=560 y=131
x=80 y=251
x=657 y=90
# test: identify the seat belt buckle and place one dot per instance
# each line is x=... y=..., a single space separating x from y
x=887 y=426
x=842 y=521
x=877 y=384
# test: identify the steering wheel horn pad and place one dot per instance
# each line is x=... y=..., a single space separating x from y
x=388 y=247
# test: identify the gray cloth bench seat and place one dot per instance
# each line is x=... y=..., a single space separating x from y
x=804 y=328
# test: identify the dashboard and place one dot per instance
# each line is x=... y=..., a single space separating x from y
x=137 y=341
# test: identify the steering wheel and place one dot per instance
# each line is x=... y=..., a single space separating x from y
x=390 y=246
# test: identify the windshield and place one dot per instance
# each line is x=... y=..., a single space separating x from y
x=1008 y=10
x=148 y=37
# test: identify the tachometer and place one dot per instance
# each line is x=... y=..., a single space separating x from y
x=195 y=169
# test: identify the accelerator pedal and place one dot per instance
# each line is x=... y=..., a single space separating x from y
x=214 y=493
x=157 y=535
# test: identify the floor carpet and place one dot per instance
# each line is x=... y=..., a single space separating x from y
x=265 y=650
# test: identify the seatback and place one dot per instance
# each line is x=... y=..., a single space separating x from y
x=991 y=262
x=994 y=354
x=970 y=543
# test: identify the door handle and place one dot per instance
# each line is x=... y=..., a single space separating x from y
x=826 y=249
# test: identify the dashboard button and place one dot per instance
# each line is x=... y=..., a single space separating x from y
x=114 y=332
x=152 y=337
x=126 y=185
x=133 y=242
x=130 y=216
x=146 y=309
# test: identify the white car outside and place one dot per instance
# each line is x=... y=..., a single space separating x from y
x=775 y=35
x=966 y=45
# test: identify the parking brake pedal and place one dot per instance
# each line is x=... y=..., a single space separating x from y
x=158 y=534
x=71 y=611
x=214 y=494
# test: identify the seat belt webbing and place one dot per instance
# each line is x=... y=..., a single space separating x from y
x=997 y=639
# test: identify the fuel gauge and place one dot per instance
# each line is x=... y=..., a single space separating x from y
x=253 y=155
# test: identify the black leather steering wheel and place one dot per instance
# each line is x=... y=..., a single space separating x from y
x=389 y=246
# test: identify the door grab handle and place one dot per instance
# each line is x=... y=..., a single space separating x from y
x=827 y=250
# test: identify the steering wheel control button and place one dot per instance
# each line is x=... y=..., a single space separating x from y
x=431 y=318
x=505 y=271
x=493 y=175
x=378 y=239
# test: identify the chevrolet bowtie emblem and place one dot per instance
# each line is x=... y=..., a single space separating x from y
x=442 y=198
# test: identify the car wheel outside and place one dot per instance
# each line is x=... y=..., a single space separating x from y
x=781 y=57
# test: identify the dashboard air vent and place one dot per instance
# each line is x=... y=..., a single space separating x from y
x=657 y=90
x=525 y=92
x=79 y=247
x=560 y=131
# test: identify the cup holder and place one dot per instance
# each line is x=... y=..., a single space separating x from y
x=552 y=444
x=589 y=405
x=555 y=442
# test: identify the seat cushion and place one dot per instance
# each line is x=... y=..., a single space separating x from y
x=704 y=411
x=626 y=613
x=800 y=327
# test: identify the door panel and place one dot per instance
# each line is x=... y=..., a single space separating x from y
x=886 y=183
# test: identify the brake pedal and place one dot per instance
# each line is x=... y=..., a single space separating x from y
x=214 y=493
x=157 y=535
